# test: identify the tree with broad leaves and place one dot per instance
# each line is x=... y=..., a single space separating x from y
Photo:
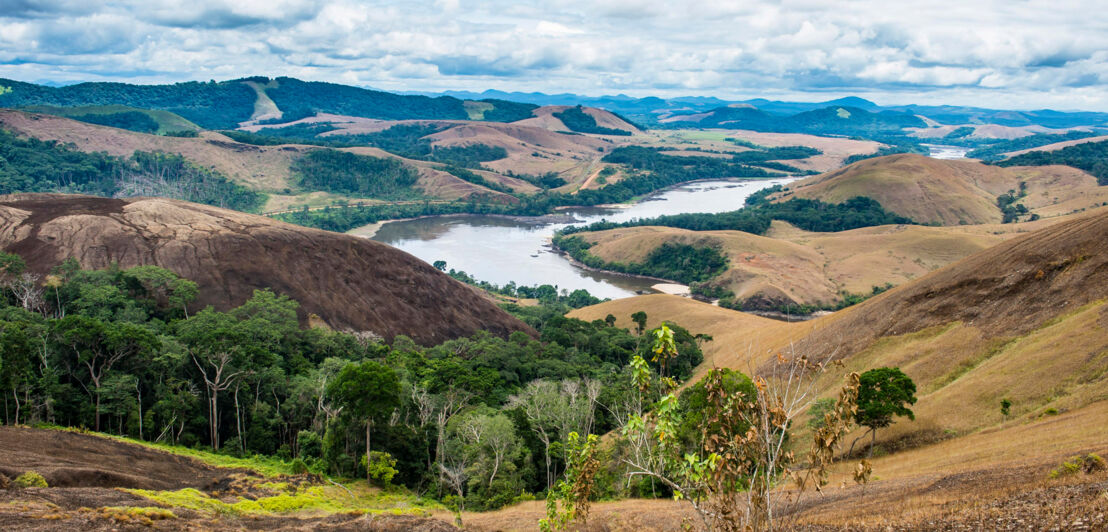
x=883 y=393
x=368 y=391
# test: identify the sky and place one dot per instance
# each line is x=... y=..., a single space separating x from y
x=1015 y=54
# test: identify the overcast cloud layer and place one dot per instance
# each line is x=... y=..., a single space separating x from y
x=1007 y=54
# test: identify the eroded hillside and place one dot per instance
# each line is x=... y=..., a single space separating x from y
x=349 y=282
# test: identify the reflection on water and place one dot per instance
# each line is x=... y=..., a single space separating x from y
x=938 y=151
x=499 y=249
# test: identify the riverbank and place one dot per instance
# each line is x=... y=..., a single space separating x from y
x=370 y=230
x=501 y=249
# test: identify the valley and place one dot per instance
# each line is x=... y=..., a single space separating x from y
x=270 y=303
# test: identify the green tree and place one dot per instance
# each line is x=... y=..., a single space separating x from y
x=883 y=393
x=640 y=322
x=368 y=391
x=98 y=346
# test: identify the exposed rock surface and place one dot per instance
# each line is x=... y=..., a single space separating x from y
x=349 y=282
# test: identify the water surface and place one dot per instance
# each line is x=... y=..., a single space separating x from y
x=500 y=250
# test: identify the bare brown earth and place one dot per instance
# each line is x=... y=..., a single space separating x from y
x=951 y=192
x=349 y=282
x=85 y=474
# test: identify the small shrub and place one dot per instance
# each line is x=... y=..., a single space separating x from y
x=30 y=479
x=1050 y=412
x=1005 y=406
x=310 y=444
x=1093 y=463
x=381 y=468
x=1090 y=463
x=298 y=466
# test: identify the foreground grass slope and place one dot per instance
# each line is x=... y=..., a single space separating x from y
x=1026 y=320
x=100 y=482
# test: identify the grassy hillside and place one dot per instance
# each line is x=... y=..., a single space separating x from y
x=1091 y=157
x=792 y=268
x=32 y=165
x=1026 y=320
x=941 y=192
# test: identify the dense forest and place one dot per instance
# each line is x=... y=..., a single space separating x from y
x=33 y=165
x=475 y=178
x=211 y=105
x=127 y=352
x=1091 y=157
x=834 y=120
x=405 y=140
x=352 y=174
x=576 y=119
x=807 y=214
x=354 y=101
x=684 y=263
x=129 y=120
x=995 y=151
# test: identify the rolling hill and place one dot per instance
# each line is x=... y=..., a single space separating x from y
x=792 y=267
x=348 y=282
x=933 y=191
x=1026 y=319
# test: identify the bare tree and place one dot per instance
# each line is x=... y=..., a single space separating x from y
x=219 y=374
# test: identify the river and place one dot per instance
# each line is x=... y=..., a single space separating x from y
x=499 y=249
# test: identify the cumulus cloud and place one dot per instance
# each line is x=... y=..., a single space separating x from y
x=1027 y=54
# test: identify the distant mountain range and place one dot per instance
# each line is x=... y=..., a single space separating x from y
x=227 y=104
x=652 y=109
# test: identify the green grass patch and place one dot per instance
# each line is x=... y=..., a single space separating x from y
x=314 y=500
x=477 y=110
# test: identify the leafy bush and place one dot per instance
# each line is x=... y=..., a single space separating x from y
x=1090 y=463
x=30 y=479
x=381 y=468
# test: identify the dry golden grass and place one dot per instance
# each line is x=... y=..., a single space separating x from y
x=734 y=333
x=949 y=192
x=799 y=267
x=834 y=150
